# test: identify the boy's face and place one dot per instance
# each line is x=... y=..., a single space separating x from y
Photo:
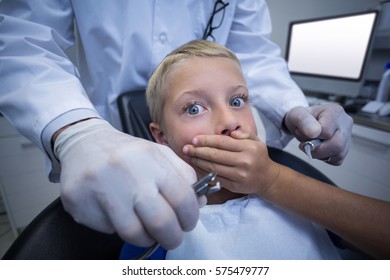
x=203 y=96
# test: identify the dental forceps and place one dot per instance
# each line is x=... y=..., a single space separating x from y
x=310 y=146
x=205 y=185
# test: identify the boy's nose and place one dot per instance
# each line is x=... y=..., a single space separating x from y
x=227 y=123
x=228 y=131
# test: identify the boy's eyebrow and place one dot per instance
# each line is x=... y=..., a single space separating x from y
x=199 y=91
x=241 y=86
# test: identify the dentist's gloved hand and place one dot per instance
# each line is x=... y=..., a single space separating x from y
x=329 y=123
x=113 y=182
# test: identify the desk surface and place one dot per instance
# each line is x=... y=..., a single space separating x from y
x=372 y=120
x=354 y=110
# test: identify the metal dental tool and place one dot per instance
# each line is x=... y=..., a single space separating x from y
x=205 y=185
x=310 y=146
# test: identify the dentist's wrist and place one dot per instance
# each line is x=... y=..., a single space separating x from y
x=76 y=132
x=58 y=132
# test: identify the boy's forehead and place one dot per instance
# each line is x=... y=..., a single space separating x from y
x=203 y=68
x=199 y=73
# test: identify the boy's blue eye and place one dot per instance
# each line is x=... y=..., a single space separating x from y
x=237 y=102
x=194 y=109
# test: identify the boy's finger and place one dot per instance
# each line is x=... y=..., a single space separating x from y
x=210 y=154
x=221 y=142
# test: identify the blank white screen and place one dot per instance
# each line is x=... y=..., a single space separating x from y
x=332 y=47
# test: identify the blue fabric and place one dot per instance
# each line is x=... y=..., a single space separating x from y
x=130 y=252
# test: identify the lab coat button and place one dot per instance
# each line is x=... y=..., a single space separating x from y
x=163 y=38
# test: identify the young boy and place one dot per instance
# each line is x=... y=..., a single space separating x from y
x=199 y=89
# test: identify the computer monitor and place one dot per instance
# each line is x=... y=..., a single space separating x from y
x=328 y=55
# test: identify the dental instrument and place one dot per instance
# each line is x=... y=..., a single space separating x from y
x=310 y=146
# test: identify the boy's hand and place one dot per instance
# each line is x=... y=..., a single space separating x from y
x=240 y=160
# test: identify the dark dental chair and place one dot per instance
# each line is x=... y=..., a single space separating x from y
x=54 y=235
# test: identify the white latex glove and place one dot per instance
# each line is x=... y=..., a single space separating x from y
x=329 y=123
x=111 y=181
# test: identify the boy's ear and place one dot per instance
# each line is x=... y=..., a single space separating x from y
x=158 y=134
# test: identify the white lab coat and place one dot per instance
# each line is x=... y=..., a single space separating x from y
x=120 y=44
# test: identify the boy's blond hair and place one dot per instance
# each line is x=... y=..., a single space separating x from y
x=155 y=92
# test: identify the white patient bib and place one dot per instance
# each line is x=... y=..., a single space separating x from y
x=250 y=228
